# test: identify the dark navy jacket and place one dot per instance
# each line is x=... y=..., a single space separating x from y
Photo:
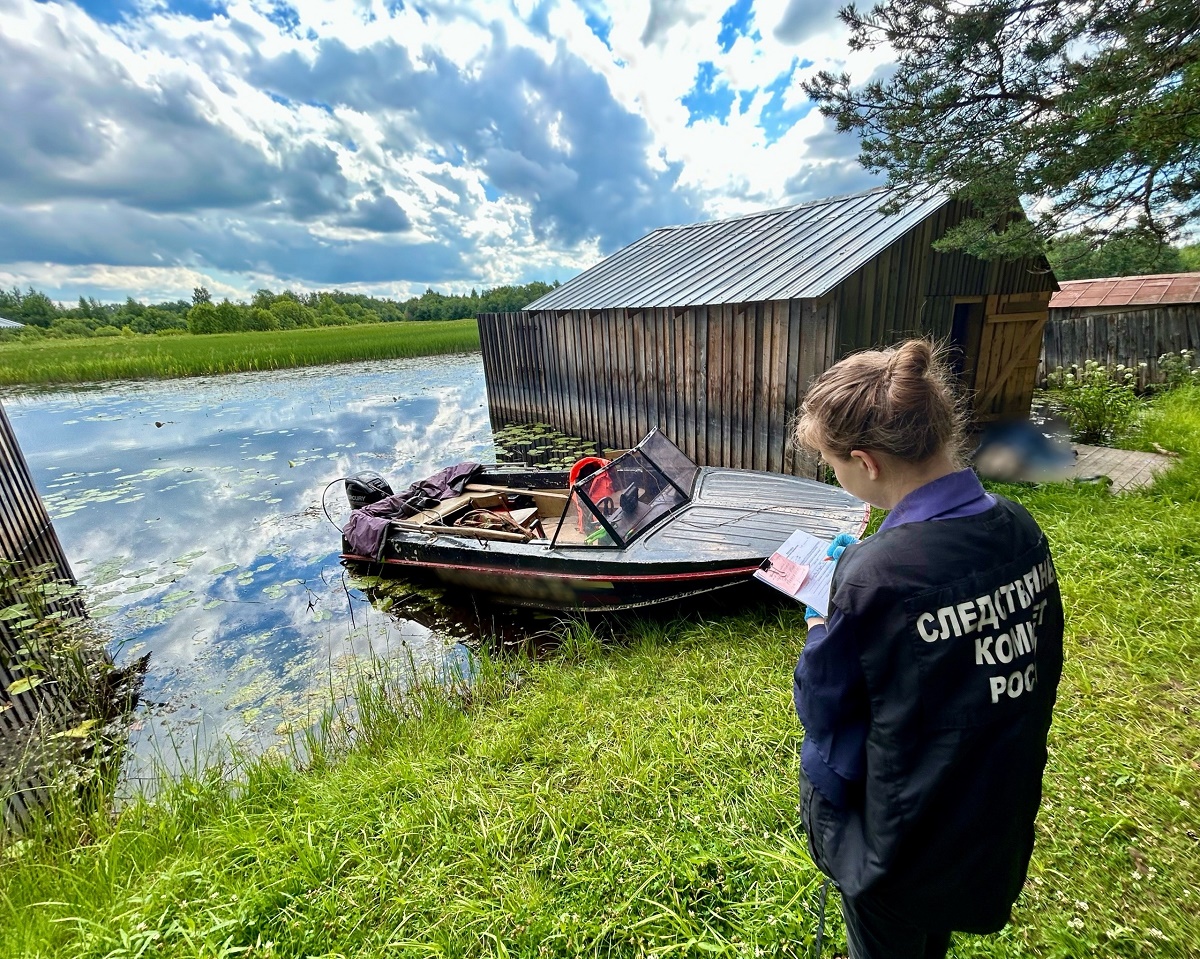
x=926 y=704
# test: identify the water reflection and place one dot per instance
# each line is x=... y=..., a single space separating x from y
x=191 y=510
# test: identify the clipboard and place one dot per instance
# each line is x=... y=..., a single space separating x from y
x=801 y=569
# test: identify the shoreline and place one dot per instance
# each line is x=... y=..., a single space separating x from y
x=87 y=361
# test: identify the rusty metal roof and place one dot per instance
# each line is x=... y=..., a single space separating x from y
x=794 y=252
x=1153 y=290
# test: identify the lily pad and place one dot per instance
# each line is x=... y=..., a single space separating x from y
x=82 y=730
x=24 y=685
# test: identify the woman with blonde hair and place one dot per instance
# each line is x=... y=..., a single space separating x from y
x=926 y=693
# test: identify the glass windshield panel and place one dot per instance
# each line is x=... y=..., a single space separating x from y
x=671 y=461
x=614 y=504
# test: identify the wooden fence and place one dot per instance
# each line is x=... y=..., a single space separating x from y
x=27 y=541
x=1129 y=337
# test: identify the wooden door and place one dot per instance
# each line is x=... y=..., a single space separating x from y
x=1009 y=347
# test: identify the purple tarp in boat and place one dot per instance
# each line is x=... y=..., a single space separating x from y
x=366 y=527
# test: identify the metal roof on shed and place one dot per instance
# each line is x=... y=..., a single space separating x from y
x=10 y=324
x=796 y=252
x=1157 y=289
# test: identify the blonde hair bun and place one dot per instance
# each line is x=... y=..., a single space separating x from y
x=902 y=401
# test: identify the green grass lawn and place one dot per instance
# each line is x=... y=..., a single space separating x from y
x=154 y=357
x=637 y=796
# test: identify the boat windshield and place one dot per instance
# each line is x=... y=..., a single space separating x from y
x=615 y=503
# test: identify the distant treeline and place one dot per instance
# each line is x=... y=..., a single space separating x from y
x=267 y=310
x=1072 y=257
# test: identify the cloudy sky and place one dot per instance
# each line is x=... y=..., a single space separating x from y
x=383 y=146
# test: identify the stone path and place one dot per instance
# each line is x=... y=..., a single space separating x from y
x=1128 y=469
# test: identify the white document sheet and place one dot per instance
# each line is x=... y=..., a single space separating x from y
x=801 y=569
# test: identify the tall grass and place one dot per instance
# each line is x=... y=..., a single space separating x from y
x=157 y=357
x=636 y=795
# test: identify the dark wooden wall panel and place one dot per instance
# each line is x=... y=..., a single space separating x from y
x=1130 y=337
x=724 y=382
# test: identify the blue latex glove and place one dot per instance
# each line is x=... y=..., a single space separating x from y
x=839 y=544
x=834 y=552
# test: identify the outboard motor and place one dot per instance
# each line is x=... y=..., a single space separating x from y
x=364 y=488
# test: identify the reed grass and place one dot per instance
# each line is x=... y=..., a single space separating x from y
x=635 y=795
x=160 y=357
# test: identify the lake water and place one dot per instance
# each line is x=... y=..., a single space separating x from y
x=191 y=510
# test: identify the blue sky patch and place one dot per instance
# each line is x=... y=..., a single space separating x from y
x=198 y=9
x=491 y=192
x=114 y=11
x=735 y=22
x=708 y=98
x=538 y=19
x=108 y=11
x=601 y=28
x=776 y=119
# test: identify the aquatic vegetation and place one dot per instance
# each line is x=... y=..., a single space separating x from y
x=540 y=444
x=63 y=758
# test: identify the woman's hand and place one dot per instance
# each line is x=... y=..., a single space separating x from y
x=833 y=553
x=839 y=544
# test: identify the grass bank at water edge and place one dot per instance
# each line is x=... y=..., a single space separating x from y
x=158 y=357
x=637 y=796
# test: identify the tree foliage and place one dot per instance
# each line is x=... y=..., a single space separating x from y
x=267 y=310
x=1075 y=257
x=1091 y=108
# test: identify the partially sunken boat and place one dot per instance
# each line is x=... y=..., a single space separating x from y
x=649 y=526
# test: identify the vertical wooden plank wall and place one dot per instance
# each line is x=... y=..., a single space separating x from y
x=723 y=382
x=890 y=297
x=27 y=540
x=1130 y=337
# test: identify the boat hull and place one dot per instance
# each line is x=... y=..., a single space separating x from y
x=564 y=586
x=734 y=520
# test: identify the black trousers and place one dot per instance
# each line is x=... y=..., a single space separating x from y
x=875 y=930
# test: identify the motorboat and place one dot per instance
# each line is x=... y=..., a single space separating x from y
x=643 y=527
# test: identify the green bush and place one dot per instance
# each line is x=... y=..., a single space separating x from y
x=68 y=327
x=1098 y=401
x=1177 y=369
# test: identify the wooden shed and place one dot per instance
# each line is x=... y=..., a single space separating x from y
x=712 y=331
x=1122 y=319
